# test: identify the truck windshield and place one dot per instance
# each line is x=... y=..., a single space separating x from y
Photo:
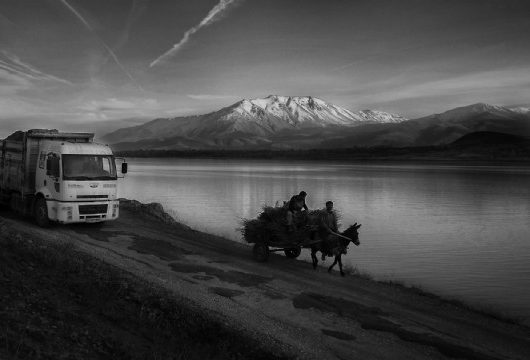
x=89 y=167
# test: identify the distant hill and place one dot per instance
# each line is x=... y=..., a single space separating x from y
x=488 y=139
x=274 y=121
x=482 y=146
x=488 y=145
x=437 y=129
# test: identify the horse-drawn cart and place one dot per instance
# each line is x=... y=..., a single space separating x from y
x=290 y=244
x=269 y=233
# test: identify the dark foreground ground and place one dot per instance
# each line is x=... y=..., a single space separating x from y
x=59 y=303
x=145 y=287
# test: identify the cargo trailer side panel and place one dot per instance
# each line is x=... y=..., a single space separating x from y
x=31 y=159
x=12 y=168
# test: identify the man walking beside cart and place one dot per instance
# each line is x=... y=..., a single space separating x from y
x=327 y=227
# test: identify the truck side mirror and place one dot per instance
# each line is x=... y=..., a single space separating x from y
x=124 y=168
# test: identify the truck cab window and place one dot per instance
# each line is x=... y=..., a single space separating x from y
x=88 y=167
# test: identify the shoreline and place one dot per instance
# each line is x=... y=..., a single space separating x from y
x=496 y=312
x=97 y=253
x=434 y=155
x=157 y=211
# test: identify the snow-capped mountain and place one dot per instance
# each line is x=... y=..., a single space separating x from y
x=293 y=111
x=380 y=117
x=287 y=122
x=286 y=112
x=521 y=109
x=255 y=118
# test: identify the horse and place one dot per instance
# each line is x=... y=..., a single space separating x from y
x=350 y=234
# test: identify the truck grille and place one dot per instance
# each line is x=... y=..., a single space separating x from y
x=92 y=209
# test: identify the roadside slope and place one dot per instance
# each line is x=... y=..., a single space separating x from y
x=59 y=303
x=284 y=304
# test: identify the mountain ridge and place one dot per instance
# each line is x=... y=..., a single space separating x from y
x=253 y=118
x=291 y=122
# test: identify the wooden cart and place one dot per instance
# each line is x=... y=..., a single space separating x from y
x=291 y=244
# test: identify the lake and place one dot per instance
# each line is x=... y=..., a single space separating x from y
x=457 y=231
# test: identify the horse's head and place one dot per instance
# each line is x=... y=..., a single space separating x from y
x=353 y=233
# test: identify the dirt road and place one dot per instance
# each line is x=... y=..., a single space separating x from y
x=285 y=303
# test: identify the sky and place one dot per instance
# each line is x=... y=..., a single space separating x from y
x=98 y=65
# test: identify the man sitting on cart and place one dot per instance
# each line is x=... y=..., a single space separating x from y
x=327 y=227
x=294 y=211
x=299 y=200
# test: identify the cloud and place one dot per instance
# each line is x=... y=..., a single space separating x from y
x=11 y=83
x=215 y=14
x=13 y=65
x=477 y=84
x=181 y=111
x=13 y=107
x=6 y=20
x=103 y=43
x=111 y=104
x=118 y=105
x=210 y=97
x=137 y=9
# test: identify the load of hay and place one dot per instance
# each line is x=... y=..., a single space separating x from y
x=271 y=226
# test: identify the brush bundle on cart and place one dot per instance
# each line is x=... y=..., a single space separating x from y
x=269 y=231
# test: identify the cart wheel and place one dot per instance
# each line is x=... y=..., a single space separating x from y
x=261 y=252
x=41 y=213
x=293 y=253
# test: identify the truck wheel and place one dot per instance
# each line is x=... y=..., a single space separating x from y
x=261 y=252
x=41 y=213
x=292 y=253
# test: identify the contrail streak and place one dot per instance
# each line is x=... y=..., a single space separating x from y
x=109 y=50
x=137 y=9
x=17 y=66
x=213 y=15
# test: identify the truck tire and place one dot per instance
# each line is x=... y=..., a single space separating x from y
x=41 y=213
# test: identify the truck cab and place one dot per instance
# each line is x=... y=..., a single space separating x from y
x=77 y=181
x=60 y=177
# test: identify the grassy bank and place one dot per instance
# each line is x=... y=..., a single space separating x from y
x=59 y=303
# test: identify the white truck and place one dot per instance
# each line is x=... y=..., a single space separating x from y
x=60 y=177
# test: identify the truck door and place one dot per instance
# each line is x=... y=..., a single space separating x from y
x=53 y=175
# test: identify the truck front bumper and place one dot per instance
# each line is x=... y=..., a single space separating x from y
x=76 y=212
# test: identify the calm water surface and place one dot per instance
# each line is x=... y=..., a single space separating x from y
x=462 y=232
